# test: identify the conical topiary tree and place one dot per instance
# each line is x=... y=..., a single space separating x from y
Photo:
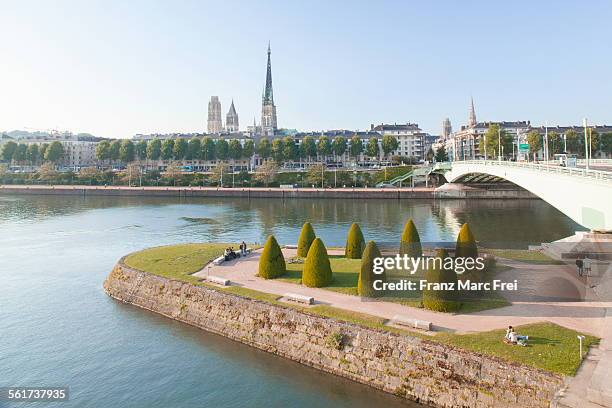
x=317 y=270
x=410 y=243
x=272 y=262
x=466 y=244
x=440 y=300
x=355 y=243
x=307 y=235
x=366 y=274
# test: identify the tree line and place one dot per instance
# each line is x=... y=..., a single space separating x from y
x=32 y=153
x=280 y=149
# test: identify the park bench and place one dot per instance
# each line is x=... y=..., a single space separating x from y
x=218 y=280
x=221 y=259
x=412 y=323
x=294 y=297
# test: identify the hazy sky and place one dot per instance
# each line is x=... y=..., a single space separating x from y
x=116 y=68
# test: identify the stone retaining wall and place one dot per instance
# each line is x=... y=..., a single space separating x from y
x=409 y=367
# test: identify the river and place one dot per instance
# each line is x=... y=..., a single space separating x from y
x=58 y=328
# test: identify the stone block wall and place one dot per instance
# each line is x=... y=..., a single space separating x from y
x=407 y=366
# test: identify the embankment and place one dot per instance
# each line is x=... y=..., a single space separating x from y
x=458 y=192
x=407 y=366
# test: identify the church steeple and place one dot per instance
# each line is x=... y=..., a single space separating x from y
x=268 y=109
x=268 y=94
x=472 y=119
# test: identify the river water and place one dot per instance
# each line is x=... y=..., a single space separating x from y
x=58 y=328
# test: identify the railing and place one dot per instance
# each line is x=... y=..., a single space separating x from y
x=576 y=172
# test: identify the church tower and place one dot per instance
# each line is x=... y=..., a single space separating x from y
x=268 y=109
x=472 y=119
x=231 y=120
x=215 y=124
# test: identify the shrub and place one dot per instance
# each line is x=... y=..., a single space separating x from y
x=355 y=243
x=272 y=262
x=335 y=340
x=317 y=270
x=441 y=300
x=410 y=243
x=307 y=235
x=366 y=275
x=466 y=244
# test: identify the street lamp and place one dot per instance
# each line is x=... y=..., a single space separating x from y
x=580 y=339
x=499 y=144
x=586 y=143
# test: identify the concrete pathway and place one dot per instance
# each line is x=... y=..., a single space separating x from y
x=586 y=317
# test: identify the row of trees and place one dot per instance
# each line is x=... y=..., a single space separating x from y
x=32 y=153
x=556 y=142
x=280 y=149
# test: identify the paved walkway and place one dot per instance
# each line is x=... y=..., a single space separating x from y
x=583 y=316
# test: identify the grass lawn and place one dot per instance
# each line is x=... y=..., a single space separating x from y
x=176 y=261
x=523 y=255
x=346 y=274
x=550 y=347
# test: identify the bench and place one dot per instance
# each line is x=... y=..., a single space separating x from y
x=412 y=323
x=294 y=297
x=221 y=259
x=218 y=280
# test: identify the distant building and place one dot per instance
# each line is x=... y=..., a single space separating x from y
x=215 y=124
x=447 y=128
x=231 y=120
x=409 y=136
x=268 y=109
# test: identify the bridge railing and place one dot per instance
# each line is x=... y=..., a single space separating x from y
x=576 y=172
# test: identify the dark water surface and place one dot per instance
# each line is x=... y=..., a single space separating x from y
x=57 y=327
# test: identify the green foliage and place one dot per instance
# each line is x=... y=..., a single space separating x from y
x=248 y=149
x=317 y=270
x=366 y=275
x=492 y=137
x=194 y=149
x=339 y=145
x=534 y=139
x=388 y=144
x=441 y=154
x=355 y=146
x=167 y=149
x=316 y=175
x=410 y=243
x=221 y=149
x=308 y=148
x=235 y=149
x=154 y=149
x=440 y=300
x=264 y=149
x=127 y=151
x=8 y=150
x=324 y=147
x=55 y=151
x=207 y=149
x=355 y=243
x=307 y=236
x=272 y=262
x=290 y=149
x=179 y=149
x=277 y=150
x=466 y=244
x=372 y=149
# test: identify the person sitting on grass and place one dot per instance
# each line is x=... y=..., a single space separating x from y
x=514 y=338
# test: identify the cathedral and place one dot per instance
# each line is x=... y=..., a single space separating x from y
x=231 y=120
x=268 y=109
x=215 y=124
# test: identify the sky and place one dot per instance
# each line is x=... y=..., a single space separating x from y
x=118 y=68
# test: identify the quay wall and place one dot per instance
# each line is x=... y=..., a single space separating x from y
x=407 y=366
x=339 y=193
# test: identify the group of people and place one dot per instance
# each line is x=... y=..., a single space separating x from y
x=583 y=265
x=513 y=337
x=229 y=252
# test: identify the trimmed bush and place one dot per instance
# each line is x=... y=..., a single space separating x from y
x=272 y=262
x=466 y=244
x=307 y=235
x=317 y=270
x=440 y=300
x=355 y=243
x=410 y=243
x=366 y=274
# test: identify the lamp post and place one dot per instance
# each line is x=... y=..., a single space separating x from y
x=580 y=339
x=586 y=143
x=499 y=144
x=485 y=146
x=546 y=142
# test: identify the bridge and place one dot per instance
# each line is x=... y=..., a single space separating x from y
x=583 y=195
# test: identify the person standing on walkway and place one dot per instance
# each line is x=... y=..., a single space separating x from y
x=586 y=264
x=579 y=265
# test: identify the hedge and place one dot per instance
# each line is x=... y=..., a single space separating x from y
x=410 y=243
x=440 y=300
x=307 y=235
x=317 y=270
x=272 y=262
x=355 y=243
x=366 y=273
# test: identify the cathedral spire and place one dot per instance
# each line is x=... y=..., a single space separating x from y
x=472 y=119
x=268 y=95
